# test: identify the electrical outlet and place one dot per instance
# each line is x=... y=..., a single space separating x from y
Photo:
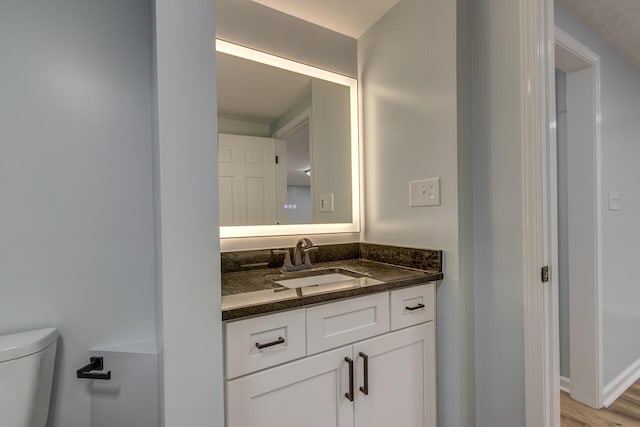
x=425 y=192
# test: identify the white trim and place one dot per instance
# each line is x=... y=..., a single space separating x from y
x=565 y=385
x=541 y=331
x=621 y=383
x=281 y=179
x=575 y=47
x=240 y=51
x=588 y=390
x=293 y=125
x=356 y=147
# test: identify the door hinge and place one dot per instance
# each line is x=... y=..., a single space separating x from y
x=277 y=160
x=545 y=274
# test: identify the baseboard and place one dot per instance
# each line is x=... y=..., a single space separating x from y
x=621 y=383
x=565 y=384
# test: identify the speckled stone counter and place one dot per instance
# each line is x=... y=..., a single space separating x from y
x=254 y=292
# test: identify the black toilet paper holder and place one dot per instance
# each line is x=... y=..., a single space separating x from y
x=97 y=364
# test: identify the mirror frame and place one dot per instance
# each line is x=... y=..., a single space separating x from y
x=235 y=231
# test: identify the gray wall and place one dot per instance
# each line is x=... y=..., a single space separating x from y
x=130 y=397
x=464 y=41
x=259 y=27
x=620 y=154
x=408 y=70
x=499 y=313
x=76 y=246
x=563 y=219
x=186 y=207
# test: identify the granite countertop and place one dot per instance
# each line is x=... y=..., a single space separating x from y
x=250 y=293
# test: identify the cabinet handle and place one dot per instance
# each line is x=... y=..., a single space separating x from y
x=365 y=388
x=349 y=395
x=280 y=340
x=417 y=307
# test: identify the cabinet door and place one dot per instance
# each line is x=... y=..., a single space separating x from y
x=309 y=392
x=401 y=379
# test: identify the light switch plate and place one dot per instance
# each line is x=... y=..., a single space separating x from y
x=425 y=192
x=614 y=200
x=326 y=202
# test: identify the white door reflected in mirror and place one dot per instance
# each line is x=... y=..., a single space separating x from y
x=247 y=180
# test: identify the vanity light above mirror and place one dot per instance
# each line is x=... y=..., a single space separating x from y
x=289 y=149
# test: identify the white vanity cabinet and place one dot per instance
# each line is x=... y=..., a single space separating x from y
x=401 y=379
x=384 y=377
x=308 y=392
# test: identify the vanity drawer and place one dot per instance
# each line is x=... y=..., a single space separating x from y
x=345 y=322
x=264 y=341
x=412 y=306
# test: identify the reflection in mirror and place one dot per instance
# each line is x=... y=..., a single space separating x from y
x=297 y=206
x=285 y=145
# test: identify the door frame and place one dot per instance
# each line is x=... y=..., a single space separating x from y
x=539 y=212
x=587 y=384
x=302 y=119
x=541 y=322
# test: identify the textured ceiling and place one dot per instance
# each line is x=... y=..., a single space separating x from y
x=618 y=21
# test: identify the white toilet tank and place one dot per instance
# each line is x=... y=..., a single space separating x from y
x=26 y=374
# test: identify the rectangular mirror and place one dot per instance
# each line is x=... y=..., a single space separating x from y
x=288 y=146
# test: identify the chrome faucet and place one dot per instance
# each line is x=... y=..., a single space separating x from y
x=304 y=246
x=302 y=249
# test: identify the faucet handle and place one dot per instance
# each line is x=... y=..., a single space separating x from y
x=307 y=258
x=287 y=257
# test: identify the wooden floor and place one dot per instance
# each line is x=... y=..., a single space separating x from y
x=624 y=412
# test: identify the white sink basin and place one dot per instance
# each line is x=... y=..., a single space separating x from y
x=323 y=279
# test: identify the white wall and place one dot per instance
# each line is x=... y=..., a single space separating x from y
x=409 y=76
x=620 y=154
x=76 y=245
x=186 y=202
x=499 y=313
x=330 y=131
x=293 y=113
x=259 y=27
x=301 y=197
x=237 y=126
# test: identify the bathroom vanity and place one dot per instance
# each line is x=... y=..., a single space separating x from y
x=338 y=335
x=356 y=352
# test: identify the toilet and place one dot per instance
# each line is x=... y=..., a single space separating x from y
x=26 y=374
